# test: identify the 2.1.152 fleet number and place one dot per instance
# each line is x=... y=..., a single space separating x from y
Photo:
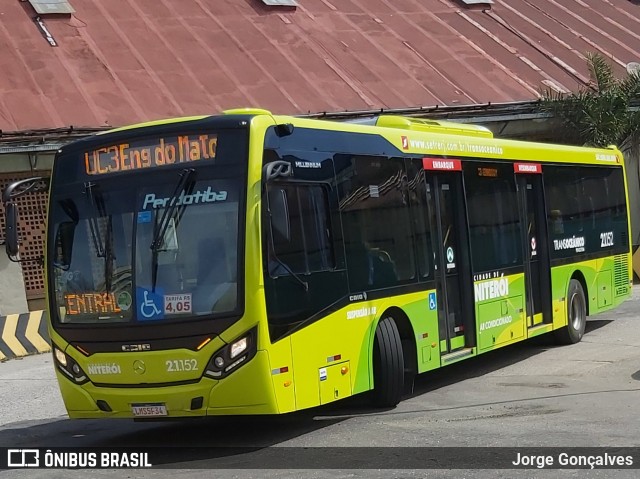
x=179 y=365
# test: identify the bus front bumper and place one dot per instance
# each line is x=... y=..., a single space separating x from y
x=249 y=390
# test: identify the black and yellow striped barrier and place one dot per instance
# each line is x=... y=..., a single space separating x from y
x=24 y=334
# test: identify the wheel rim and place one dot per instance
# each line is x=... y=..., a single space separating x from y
x=577 y=311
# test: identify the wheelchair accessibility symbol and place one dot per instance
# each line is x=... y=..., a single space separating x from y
x=148 y=308
x=149 y=304
x=450 y=256
x=432 y=301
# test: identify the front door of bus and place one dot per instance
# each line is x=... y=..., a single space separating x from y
x=536 y=264
x=449 y=231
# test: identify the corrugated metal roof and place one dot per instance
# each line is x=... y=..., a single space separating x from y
x=125 y=61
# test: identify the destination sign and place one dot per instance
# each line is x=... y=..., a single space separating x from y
x=488 y=172
x=91 y=303
x=139 y=155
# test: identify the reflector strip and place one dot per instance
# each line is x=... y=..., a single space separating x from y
x=331 y=359
x=280 y=370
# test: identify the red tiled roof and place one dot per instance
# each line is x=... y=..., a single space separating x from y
x=124 y=61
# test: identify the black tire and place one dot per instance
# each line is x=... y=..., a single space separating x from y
x=576 y=315
x=388 y=365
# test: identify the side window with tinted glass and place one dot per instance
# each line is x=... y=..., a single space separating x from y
x=300 y=229
x=421 y=217
x=378 y=236
x=494 y=220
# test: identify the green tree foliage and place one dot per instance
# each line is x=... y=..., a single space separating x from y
x=603 y=113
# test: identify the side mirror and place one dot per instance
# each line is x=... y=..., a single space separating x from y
x=11 y=230
x=279 y=209
x=64 y=244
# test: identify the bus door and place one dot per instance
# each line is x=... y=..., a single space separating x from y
x=454 y=284
x=536 y=258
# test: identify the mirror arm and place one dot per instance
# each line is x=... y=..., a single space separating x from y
x=276 y=169
x=36 y=184
x=14 y=190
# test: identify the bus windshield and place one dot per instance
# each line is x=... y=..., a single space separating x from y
x=127 y=251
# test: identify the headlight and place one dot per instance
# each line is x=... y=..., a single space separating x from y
x=61 y=357
x=67 y=365
x=238 y=347
x=232 y=356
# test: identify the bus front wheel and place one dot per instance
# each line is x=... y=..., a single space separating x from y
x=388 y=364
x=576 y=315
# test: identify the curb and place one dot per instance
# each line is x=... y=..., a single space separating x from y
x=24 y=334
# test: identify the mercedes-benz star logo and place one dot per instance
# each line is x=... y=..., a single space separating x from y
x=139 y=367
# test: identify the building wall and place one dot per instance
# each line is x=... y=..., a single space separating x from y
x=22 y=284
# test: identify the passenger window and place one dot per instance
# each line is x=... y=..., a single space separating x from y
x=374 y=207
x=308 y=246
x=588 y=203
x=494 y=220
x=421 y=217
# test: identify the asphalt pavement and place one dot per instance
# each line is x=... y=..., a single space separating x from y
x=529 y=395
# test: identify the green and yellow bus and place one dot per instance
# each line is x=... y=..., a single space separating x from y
x=248 y=263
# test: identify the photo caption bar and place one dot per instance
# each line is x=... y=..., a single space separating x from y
x=321 y=458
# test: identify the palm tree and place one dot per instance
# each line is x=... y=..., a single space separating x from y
x=607 y=112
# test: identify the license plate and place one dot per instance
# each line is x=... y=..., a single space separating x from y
x=149 y=410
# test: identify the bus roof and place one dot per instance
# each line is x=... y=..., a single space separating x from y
x=409 y=135
x=444 y=138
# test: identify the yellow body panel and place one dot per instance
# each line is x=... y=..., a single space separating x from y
x=331 y=358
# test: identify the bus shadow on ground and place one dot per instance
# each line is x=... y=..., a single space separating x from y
x=230 y=442
x=594 y=324
x=467 y=369
x=204 y=433
x=490 y=362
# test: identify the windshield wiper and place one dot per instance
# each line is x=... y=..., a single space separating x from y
x=161 y=227
x=94 y=228
x=108 y=256
x=304 y=284
x=103 y=249
x=158 y=237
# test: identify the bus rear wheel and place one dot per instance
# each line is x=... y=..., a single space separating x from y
x=388 y=365
x=576 y=315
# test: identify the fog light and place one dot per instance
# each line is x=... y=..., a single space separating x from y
x=219 y=362
x=76 y=369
